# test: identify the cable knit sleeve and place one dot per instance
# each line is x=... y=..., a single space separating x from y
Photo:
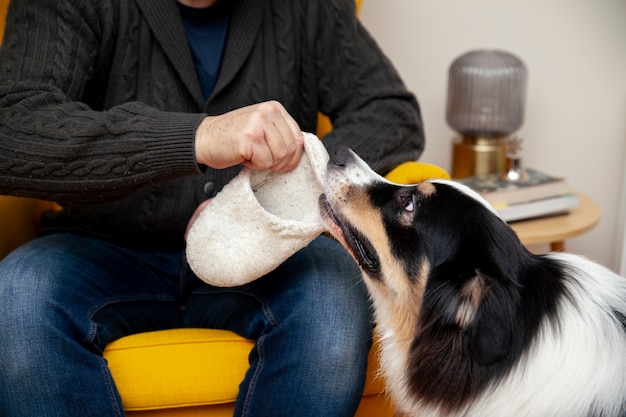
x=53 y=144
x=371 y=109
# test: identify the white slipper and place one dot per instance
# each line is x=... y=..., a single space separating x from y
x=258 y=220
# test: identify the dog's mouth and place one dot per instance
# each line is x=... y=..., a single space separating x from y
x=360 y=248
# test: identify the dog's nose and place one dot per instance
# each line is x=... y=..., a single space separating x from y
x=341 y=156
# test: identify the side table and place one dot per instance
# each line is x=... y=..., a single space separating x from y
x=556 y=229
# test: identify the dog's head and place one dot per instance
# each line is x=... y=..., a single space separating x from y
x=406 y=232
x=433 y=255
x=457 y=297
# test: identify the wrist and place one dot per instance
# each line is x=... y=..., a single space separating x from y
x=199 y=145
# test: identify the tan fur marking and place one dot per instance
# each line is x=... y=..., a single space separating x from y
x=397 y=314
x=470 y=298
x=365 y=218
x=407 y=303
x=426 y=189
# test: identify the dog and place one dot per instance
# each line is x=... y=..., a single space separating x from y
x=471 y=323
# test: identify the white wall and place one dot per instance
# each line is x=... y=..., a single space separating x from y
x=621 y=226
x=575 y=52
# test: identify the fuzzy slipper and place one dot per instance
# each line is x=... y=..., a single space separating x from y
x=258 y=220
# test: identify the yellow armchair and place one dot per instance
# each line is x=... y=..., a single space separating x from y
x=157 y=373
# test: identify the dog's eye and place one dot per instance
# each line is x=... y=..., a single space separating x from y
x=409 y=204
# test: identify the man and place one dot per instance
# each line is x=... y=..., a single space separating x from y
x=130 y=114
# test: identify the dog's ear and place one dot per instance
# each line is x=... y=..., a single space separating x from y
x=492 y=329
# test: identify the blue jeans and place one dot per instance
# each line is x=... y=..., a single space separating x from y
x=64 y=296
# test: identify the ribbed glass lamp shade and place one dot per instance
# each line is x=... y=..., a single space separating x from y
x=486 y=94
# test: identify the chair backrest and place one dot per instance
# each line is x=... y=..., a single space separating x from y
x=4 y=5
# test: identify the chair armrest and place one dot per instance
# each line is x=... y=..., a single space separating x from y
x=20 y=219
x=413 y=172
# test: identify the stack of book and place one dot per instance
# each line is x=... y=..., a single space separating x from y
x=538 y=196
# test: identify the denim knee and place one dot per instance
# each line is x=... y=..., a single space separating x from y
x=50 y=345
x=39 y=311
x=29 y=288
x=317 y=339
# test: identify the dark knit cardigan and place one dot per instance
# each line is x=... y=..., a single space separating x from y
x=99 y=103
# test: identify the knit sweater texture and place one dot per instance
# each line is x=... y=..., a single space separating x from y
x=100 y=101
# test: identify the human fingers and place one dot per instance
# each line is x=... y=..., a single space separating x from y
x=282 y=141
x=292 y=135
x=231 y=138
x=261 y=136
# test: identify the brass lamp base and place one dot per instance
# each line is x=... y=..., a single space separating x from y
x=478 y=156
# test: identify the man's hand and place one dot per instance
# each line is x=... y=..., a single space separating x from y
x=260 y=136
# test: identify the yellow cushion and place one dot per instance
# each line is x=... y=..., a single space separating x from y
x=413 y=172
x=191 y=367
x=178 y=368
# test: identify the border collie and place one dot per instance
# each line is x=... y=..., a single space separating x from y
x=470 y=323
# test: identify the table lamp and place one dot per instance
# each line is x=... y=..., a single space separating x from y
x=485 y=105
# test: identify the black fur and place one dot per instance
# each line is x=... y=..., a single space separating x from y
x=485 y=307
x=451 y=364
